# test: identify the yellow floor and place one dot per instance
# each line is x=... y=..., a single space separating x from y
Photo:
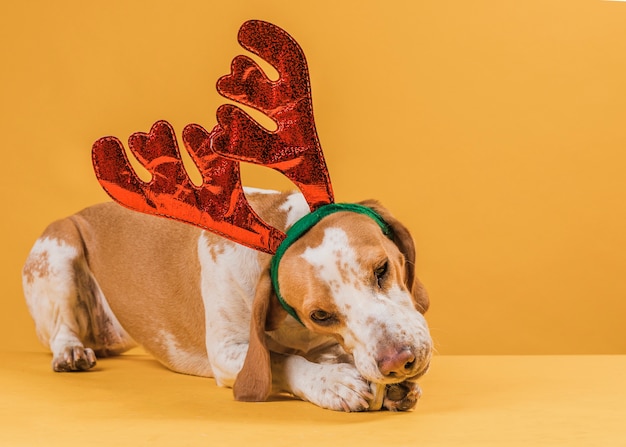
x=467 y=401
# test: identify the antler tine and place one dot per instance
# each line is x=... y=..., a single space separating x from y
x=218 y=205
x=292 y=149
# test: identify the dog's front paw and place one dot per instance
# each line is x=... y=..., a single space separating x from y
x=74 y=358
x=336 y=387
x=401 y=396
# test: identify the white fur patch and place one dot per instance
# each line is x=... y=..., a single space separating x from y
x=252 y=190
x=48 y=257
x=48 y=282
x=229 y=275
x=295 y=207
x=180 y=359
x=168 y=341
x=334 y=251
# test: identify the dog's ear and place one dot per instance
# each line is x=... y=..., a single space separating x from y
x=404 y=241
x=254 y=381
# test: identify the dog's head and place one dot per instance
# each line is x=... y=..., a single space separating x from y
x=346 y=279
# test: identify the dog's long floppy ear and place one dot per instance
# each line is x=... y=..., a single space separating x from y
x=403 y=239
x=254 y=381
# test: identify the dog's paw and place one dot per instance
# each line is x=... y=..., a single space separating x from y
x=337 y=387
x=401 y=396
x=74 y=358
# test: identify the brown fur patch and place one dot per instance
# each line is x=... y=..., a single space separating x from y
x=268 y=205
x=215 y=250
x=36 y=267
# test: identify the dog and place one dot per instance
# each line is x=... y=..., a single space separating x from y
x=107 y=279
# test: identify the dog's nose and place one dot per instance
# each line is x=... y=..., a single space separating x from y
x=400 y=363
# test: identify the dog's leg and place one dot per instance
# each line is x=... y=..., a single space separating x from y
x=336 y=386
x=345 y=390
x=51 y=294
x=231 y=357
x=60 y=294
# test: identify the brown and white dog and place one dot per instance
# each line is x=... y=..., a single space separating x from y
x=106 y=279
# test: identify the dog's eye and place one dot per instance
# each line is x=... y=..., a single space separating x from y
x=322 y=317
x=380 y=273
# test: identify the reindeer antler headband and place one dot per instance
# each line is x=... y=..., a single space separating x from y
x=219 y=204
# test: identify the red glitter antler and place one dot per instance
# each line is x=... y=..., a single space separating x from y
x=292 y=149
x=219 y=203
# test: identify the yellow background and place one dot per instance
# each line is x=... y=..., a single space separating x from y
x=496 y=130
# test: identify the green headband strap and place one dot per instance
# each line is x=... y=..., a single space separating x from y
x=303 y=225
